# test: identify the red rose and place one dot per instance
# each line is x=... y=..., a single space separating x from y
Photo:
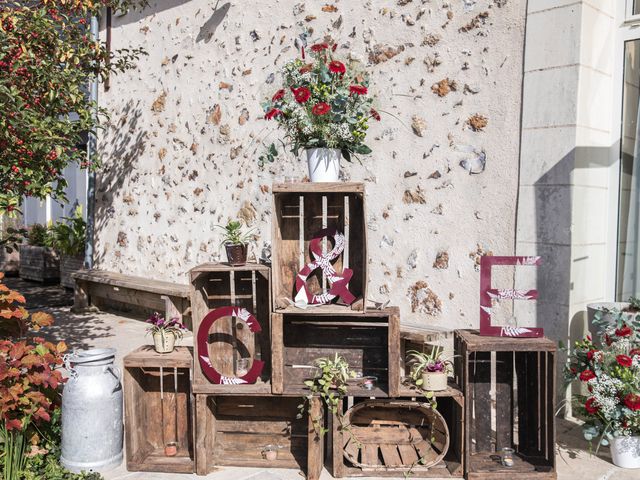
x=278 y=96
x=587 y=375
x=632 y=401
x=623 y=332
x=374 y=113
x=590 y=354
x=301 y=94
x=321 y=108
x=607 y=340
x=358 y=89
x=318 y=47
x=337 y=67
x=624 y=360
x=274 y=112
x=634 y=352
x=590 y=407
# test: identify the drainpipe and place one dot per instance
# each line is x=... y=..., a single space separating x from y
x=91 y=175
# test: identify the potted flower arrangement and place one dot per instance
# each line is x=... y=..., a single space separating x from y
x=610 y=371
x=430 y=370
x=68 y=239
x=324 y=108
x=330 y=385
x=609 y=310
x=235 y=242
x=165 y=332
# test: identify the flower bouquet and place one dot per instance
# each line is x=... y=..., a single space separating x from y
x=324 y=107
x=165 y=332
x=610 y=371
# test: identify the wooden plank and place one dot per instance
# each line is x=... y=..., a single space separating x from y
x=146 y=356
x=390 y=455
x=394 y=357
x=504 y=400
x=482 y=405
x=370 y=454
x=318 y=187
x=225 y=267
x=315 y=443
x=477 y=343
x=205 y=433
x=528 y=402
x=136 y=283
x=277 y=354
x=550 y=418
x=408 y=454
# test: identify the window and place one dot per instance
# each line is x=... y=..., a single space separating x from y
x=628 y=261
x=636 y=7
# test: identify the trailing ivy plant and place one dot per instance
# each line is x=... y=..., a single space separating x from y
x=47 y=61
x=330 y=386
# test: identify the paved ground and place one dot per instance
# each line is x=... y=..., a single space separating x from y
x=125 y=334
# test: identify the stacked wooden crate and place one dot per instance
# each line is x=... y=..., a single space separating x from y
x=254 y=315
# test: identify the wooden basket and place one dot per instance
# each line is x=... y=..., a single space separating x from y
x=217 y=285
x=301 y=210
x=397 y=436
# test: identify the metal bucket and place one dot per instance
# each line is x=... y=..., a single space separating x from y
x=92 y=412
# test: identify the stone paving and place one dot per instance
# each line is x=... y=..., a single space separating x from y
x=102 y=329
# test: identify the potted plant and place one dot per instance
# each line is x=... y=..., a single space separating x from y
x=165 y=332
x=235 y=242
x=430 y=370
x=330 y=384
x=608 y=310
x=69 y=241
x=324 y=108
x=610 y=371
x=38 y=261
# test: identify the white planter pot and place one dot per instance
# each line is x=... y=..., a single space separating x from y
x=625 y=452
x=164 y=342
x=324 y=164
x=434 y=381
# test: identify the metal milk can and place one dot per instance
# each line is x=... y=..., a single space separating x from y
x=92 y=412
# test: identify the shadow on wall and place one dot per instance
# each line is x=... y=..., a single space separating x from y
x=125 y=145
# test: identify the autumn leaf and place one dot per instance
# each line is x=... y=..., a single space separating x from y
x=41 y=319
x=61 y=347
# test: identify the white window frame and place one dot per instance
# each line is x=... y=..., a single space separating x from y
x=629 y=17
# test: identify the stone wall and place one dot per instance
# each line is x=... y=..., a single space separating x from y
x=180 y=153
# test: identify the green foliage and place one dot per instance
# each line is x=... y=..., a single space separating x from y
x=68 y=235
x=322 y=103
x=47 y=61
x=234 y=235
x=431 y=361
x=39 y=236
x=330 y=385
x=634 y=304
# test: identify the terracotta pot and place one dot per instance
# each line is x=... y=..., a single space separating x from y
x=434 y=381
x=236 y=254
x=164 y=342
x=171 y=449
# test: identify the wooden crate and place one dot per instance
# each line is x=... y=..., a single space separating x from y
x=217 y=285
x=520 y=402
x=158 y=409
x=300 y=211
x=40 y=264
x=370 y=342
x=401 y=459
x=233 y=431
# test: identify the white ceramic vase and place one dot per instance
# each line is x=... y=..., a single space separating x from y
x=324 y=164
x=164 y=342
x=625 y=451
x=434 y=381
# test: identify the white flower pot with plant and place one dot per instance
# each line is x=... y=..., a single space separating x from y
x=324 y=108
x=607 y=311
x=235 y=242
x=164 y=332
x=430 y=370
x=609 y=368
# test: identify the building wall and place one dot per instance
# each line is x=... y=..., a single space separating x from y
x=180 y=152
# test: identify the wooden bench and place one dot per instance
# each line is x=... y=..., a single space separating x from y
x=99 y=288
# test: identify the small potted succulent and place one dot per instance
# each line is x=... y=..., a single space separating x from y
x=235 y=242
x=164 y=332
x=430 y=370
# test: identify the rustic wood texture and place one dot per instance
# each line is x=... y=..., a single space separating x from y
x=511 y=382
x=300 y=211
x=219 y=285
x=158 y=410
x=387 y=438
x=234 y=431
x=40 y=264
x=370 y=343
x=116 y=290
x=68 y=266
